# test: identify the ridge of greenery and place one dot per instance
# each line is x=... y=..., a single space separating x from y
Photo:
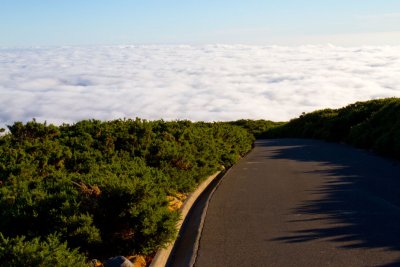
x=373 y=125
x=257 y=128
x=98 y=189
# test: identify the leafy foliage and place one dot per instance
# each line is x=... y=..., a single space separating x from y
x=102 y=187
x=16 y=252
x=258 y=128
x=372 y=124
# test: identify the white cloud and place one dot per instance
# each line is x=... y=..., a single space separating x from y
x=213 y=82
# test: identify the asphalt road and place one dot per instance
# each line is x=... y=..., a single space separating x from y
x=294 y=202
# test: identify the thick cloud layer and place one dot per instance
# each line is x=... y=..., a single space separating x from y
x=211 y=83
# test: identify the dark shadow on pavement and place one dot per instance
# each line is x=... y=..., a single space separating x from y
x=359 y=200
x=185 y=245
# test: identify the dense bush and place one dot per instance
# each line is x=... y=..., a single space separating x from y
x=372 y=124
x=258 y=128
x=102 y=187
x=16 y=252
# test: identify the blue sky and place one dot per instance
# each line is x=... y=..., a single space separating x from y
x=284 y=22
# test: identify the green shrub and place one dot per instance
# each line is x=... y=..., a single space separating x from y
x=102 y=187
x=372 y=124
x=50 y=252
x=258 y=128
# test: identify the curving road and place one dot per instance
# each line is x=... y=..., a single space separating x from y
x=296 y=202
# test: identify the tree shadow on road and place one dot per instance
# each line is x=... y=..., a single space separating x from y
x=359 y=201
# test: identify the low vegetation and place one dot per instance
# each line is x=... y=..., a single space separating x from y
x=257 y=128
x=373 y=125
x=98 y=189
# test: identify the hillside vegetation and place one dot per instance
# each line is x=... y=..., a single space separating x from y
x=99 y=189
x=371 y=125
x=257 y=128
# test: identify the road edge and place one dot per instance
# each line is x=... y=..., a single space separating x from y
x=162 y=255
x=202 y=220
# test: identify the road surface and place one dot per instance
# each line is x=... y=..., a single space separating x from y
x=296 y=202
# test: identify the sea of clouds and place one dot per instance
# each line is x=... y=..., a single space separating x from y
x=210 y=82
